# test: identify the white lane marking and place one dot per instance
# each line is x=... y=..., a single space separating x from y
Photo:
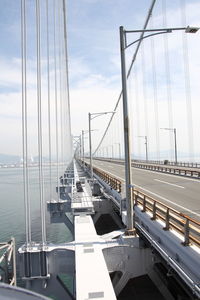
x=162 y=173
x=176 y=185
x=163 y=198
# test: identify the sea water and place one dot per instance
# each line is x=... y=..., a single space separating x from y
x=12 y=213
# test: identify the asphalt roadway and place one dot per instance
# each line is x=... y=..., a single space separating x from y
x=178 y=192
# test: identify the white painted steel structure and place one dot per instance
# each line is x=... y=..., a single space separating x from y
x=92 y=277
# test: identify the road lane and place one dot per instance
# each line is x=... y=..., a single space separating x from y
x=176 y=185
x=181 y=193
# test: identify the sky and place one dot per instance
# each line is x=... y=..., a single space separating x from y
x=94 y=63
x=96 y=73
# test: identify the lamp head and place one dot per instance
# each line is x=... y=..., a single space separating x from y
x=191 y=29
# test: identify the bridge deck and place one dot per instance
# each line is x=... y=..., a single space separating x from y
x=92 y=277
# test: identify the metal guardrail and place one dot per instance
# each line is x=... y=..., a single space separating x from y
x=112 y=181
x=170 y=170
x=172 y=219
x=155 y=162
x=8 y=262
x=170 y=163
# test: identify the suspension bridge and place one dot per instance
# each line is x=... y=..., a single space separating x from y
x=127 y=187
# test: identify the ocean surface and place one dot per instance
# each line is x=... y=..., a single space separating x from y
x=12 y=207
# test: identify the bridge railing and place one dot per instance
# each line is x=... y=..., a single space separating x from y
x=195 y=173
x=170 y=163
x=164 y=168
x=171 y=218
x=187 y=227
x=155 y=162
x=112 y=181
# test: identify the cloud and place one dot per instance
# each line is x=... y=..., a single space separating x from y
x=95 y=71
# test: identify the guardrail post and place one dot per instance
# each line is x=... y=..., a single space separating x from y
x=154 y=211
x=133 y=197
x=115 y=184
x=167 y=220
x=112 y=183
x=120 y=187
x=144 y=204
x=186 y=233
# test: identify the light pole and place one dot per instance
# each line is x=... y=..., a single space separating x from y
x=146 y=145
x=175 y=142
x=123 y=46
x=92 y=116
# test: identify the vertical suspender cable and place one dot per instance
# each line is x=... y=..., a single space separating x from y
x=146 y=117
x=64 y=90
x=137 y=113
x=168 y=78
x=66 y=67
x=25 y=124
x=155 y=96
x=56 y=102
x=41 y=176
x=60 y=79
x=49 y=98
x=187 y=84
x=129 y=70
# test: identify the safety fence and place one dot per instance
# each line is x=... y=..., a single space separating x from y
x=171 y=218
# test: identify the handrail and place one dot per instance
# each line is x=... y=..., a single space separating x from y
x=173 y=219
